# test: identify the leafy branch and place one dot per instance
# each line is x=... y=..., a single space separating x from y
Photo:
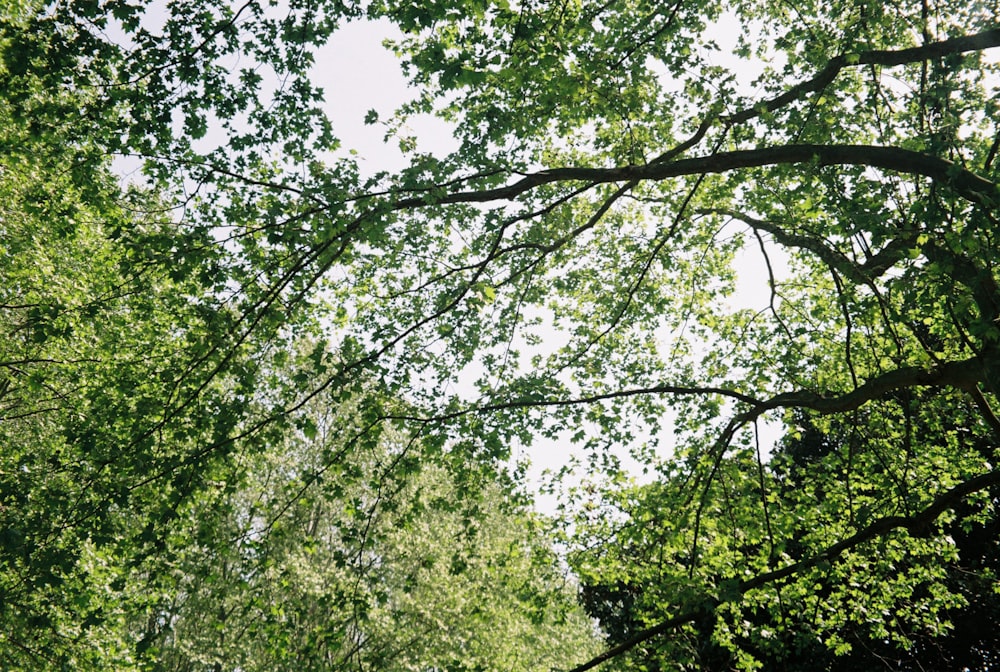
x=917 y=524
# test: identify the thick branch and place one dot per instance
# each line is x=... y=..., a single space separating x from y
x=917 y=525
x=967 y=184
x=962 y=374
x=894 y=159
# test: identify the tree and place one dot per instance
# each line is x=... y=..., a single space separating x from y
x=377 y=559
x=861 y=160
x=124 y=375
x=899 y=628
x=94 y=329
x=575 y=257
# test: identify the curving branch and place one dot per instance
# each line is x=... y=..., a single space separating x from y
x=957 y=45
x=974 y=189
x=863 y=274
x=964 y=374
x=965 y=183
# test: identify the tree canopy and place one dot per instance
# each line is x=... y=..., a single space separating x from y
x=263 y=409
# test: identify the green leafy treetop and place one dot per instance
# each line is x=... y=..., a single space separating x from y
x=567 y=273
x=340 y=556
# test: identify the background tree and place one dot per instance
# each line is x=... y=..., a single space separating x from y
x=101 y=428
x=132 y=379
x=341 y=555
x=568 y=272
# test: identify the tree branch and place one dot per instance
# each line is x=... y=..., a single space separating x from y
x=532 y=402
x=957 y=45
x=965 y=183
x=863 y=274
x=963 y=374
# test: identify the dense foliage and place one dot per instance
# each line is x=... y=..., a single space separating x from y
x=259 y=408
x=888 y=605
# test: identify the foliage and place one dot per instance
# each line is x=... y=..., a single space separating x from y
x=568 y=273
x=334 y=561
x=105 y=411
x=905 y=603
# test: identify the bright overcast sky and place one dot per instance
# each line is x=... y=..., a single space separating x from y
x=359 y=74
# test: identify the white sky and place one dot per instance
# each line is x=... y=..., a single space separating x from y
x=358 y=74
